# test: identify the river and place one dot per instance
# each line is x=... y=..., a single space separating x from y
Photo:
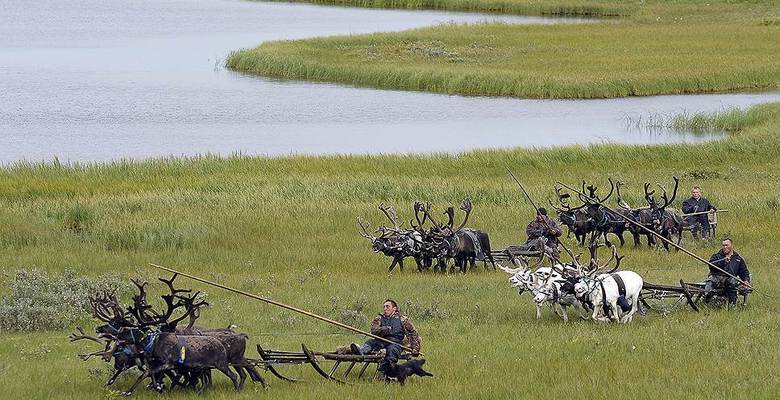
x=101 y=80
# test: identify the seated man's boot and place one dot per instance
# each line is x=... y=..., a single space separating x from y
x=360 y=350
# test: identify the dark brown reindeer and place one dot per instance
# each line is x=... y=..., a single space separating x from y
x=576 y=219
x=666 y=221
x=463 y=245
x=155 y=342
x=234 y=343
x=397 y=242
x=105 y=307
x=642 y=216
x=603 y=220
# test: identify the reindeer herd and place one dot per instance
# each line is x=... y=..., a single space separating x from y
x=442 y=243
x=591 y=218
x=608 y=295
x=432 y=247
x=140 y=337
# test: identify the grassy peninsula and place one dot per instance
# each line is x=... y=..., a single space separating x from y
x=285 y=228
x=658 y=48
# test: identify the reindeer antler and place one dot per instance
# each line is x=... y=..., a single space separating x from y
x=622 y=203
x=106 y=353
x=664 y=196
x=140 y=305
x=611 y=190
x=418 y=206
x=364 y=228
x=427 y=211
x=391 y=215
x=612 y=257
x=466 y=208
x=83 y=336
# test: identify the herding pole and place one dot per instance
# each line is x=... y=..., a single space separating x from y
x=703 y=212
x=285 y=306
x=658 y=235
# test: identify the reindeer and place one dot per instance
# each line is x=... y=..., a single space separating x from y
x=666 y=221
x=462 y=245
x=576 y=219
x=479 y=239
x=394 y=241
x=642 y=216
x=558 y=289
x=147 y=339
x=605 y=294
x=603 y=220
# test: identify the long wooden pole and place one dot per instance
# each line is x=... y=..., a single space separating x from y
x=658 y=235
x=703 y=212
x=282 y=305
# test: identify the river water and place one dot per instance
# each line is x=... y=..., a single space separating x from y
x=99 y=80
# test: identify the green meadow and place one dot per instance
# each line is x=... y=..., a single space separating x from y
x=654 y=48
x=285 y=228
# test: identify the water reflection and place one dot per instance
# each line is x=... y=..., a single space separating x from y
x=96 y=80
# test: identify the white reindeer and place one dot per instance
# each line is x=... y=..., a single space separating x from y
x=557 y=291
x=603 y=294
x=553 y=294
x=538 y=283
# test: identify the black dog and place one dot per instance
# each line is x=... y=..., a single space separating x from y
x=412 y=367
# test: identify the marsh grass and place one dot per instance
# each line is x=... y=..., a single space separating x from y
x=732 y=120
x=664 y=48
x=562 y=61
x=579 y=8
x=285 y=228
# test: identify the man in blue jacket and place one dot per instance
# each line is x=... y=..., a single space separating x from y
x=694 y=205
x=728 y=260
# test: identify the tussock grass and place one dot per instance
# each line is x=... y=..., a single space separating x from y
x=285 y=228
x=664 y=48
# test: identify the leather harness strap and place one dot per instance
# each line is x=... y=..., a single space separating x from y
x=604 y=304
x=620 y=284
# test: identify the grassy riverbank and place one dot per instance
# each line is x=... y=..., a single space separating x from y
x=285 y=228
x=579 y=8
x=660 y=49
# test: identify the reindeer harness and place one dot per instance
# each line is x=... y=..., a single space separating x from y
x=622 y=302
x=479 y=254
x=150 y=344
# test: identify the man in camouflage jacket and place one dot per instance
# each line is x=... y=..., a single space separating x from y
x=395 y=327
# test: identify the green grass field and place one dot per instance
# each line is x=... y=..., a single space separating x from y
x=658 y=48
x=285 y=228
